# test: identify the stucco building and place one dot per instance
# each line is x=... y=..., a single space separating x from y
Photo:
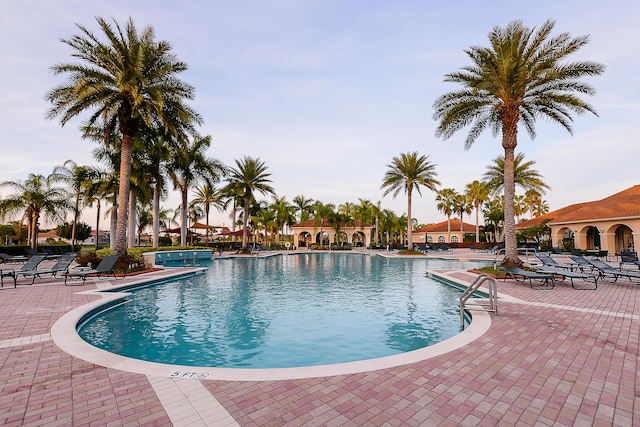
x=611 y=224
x=439 y=233
x=322 y=232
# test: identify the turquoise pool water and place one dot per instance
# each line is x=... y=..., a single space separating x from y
x=284 y=311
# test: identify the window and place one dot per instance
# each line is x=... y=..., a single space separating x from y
x=441 y=239
x=454 y=239
x=429 y=239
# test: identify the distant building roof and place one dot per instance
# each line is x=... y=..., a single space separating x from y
x=442 y=227
x=625 y=204
x=49 y=234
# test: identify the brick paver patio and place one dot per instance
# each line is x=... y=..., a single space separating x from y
x=560 y=357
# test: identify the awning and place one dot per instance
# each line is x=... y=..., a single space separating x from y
x=234 y=233
x=200 y=226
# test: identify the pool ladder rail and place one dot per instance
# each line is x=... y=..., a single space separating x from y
x=194 y=260
x=487 y=303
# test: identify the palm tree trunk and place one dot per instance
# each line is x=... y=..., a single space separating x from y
x=245 y=224
x=511 y=251
x=409 y=236
x=113 y=226
x=206 y=211
x=34 y=230
x=156 y=216
x=123 y=194
x=477 y=224
x=183 y=216
x=131 y=234
x=75 y=221
x=97 y=224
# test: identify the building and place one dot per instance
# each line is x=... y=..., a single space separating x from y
x=439 y=233
x=611 y=224
x=321 y=232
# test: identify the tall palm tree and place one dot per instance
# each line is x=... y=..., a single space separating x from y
x=284 y=214
x=521 y=77
x=303 y=206
x=477 y=192
x=461 y=206
x=533 y=198
x=524 y=175
x=250 y=176
x=206 y=195
x=407 y=172
x=446 y=199
x=77 y=178
x=187 y=166
x=129 y=79
x=97 y=188
x=321 y=213
x=520 y=206
x=36 y=197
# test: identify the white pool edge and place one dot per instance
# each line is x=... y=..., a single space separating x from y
x=65 y=336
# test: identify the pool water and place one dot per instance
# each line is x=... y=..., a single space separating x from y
x=284 y=311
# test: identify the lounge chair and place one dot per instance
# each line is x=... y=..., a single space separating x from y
x=571 y=275
x=518 y=274
x=31 y=265
x=7 y=272
x=49 y=253
x=606 y=271
x=12 y=259
x=106 y=267
x=546 y=260
x=582 y=263
x=629 y=258
x=61 y=266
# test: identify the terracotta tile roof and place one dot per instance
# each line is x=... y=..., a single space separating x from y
x=551 y=216
x=49 y=234
x=442 y=227
x=325 y=223
x=625 y=204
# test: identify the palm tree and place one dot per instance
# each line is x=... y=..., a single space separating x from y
x=77 y=178
x=520 y=206
x=524 y=175
x=321 y=213
x=98 y=187
x=520 y=78
x=206 y=195
x=406 y=173
x=446 y=199
x=303 y=206
x=35 y=197
x=284 y=214
x=130 y=80
x=250 y=176
x=477 y=192
x=189 y=164
x=462 y=206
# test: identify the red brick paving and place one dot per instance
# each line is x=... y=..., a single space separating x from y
x=563 y=357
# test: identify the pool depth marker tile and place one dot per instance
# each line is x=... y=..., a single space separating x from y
x=189 y=403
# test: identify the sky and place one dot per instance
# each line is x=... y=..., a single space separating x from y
x=327 y=92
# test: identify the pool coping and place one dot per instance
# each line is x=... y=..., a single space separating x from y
x=65 y=336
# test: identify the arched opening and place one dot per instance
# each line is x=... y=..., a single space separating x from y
x=358 y=239
x=624 y=239
x=593 y=238
x=304 y=239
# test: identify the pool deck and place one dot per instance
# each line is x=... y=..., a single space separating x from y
x=558 y=357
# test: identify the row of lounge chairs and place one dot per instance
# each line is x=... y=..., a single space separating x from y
x=583 y=269
x=30 y=269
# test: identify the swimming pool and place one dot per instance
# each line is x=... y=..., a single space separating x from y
x=286 y=311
